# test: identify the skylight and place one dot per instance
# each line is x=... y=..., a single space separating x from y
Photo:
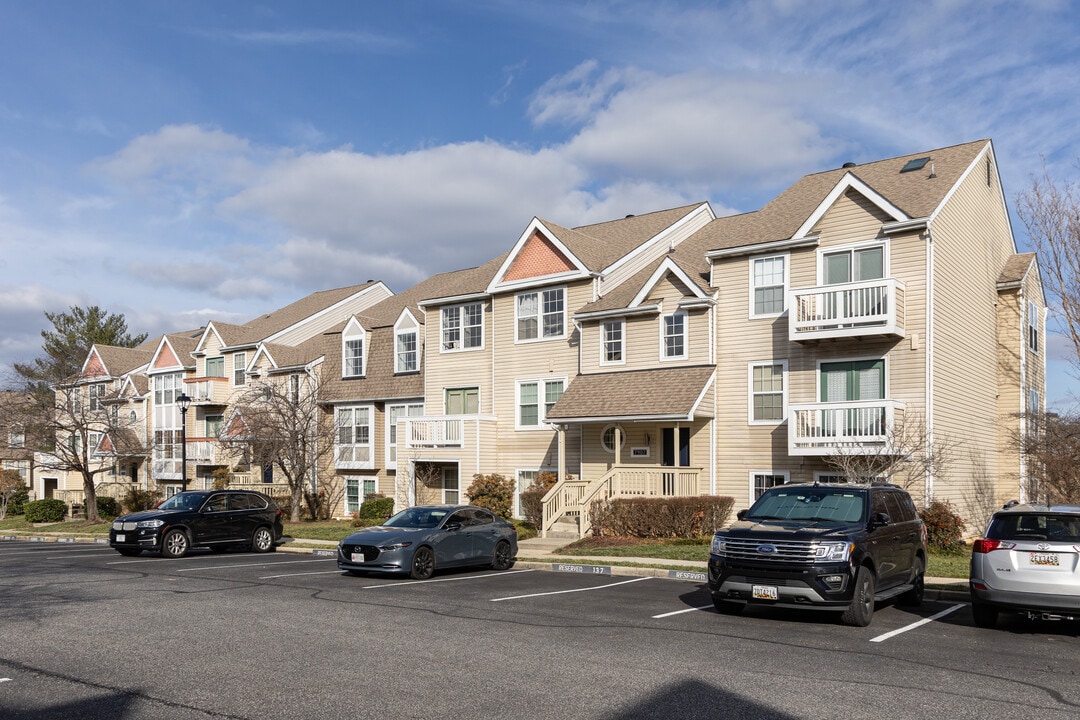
x=916 y=164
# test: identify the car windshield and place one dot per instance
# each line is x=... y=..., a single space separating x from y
x=1035 y=526
x=183 y=501
x=417 y=517
x=820 y=504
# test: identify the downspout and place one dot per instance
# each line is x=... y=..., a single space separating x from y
x=1022 y=354
x=713 y=440
x=929 y=384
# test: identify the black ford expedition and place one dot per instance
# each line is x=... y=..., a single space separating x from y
x=822 y=546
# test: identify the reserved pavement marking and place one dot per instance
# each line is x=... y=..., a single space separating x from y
x=453 y=579
x=680 y=612
x=563 y=592
x=240 y=565
x=914 y=625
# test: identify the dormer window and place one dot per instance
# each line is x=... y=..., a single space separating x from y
x=352 y=351
x=406 y=342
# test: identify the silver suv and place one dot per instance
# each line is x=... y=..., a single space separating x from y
x=1028 y=563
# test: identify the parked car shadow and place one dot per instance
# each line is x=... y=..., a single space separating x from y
x=696 y=700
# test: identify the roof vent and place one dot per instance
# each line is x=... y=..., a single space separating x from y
x=848 y=165
x=628 y=216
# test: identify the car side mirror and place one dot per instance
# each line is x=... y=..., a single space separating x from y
x=879 y=520
x=741 y=515
x=452 y=526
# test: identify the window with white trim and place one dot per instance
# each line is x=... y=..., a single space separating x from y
x=16 y=437
x=673 y=342
x=462 y=327
x=393 y=414
x=532 y=408
x=239 y=363
x=853 y=264
x=611 y=334
x=762 y=481
x=451 y=489
x=768 y=285
x=356 y=489
x=215 y=366
x=1033 y=327
x=353 y=445
x=406 y=358
x=607 y=437
x=352 y=352
x=768 y=392
x=95 y=393
x=541 y=315
x=213 y=425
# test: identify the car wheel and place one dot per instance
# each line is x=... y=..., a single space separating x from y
x=128 y=552
x=726 y=607
x=423 y=564
x=174 y=544
x=502 y=558
x=861 y=610
x=262 y=541
x=984 y=615
x=914 y=596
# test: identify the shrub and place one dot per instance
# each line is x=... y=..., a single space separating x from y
x=375 y=507
x=137 y=499
x=494 y=492
x=683 y=517
x=107 y=507
x=944 y=528
x=45 y=511
x=531 y=499
x=221 y=477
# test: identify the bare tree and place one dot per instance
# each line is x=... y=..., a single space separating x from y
x=981 y=496
x=1051 y=213
x=280 y=422
x=908 y=456
x=1051 y=448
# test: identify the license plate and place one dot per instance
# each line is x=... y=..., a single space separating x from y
x=358 y=557
x=120 y=538
x=1045 y=559
x=764 y=592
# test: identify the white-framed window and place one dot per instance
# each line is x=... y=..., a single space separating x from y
x=215 y=367
x=356 y=489
x=20 y=466
x=393 y=414
x=525 y=479
x=535 y=400
x=239 y=363
x=294 y=388
x=462 y=327
x=95 y=393
x=1033 y=402
x=16 y=437
x=768 y=392
x=612 y=343
x=352 y=351
x=768 y=285
x=760 y=481
x=93 y=439
x=1033 y=327
x=213 y=425
x=353 y=446
x=673 y=336
x=607 y=437
x=541 y=315
x=451 y=490
x=865 y=261
x=406 y=358
x=462 y=401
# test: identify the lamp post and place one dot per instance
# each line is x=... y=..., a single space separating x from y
x=183 y=401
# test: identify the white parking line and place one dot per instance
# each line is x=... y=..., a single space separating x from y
x=914 y=625
x=49 y=548
x=266 y=562
x=563 y=592
x=680 y=612
x=453 y=579
x=321 y=572
x=77 y=555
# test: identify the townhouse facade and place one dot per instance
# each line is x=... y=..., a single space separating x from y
x=869 y=316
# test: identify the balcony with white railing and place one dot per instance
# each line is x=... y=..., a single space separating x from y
x=863 y=427
x=435 y=437
x=857 y=309
x=208 y=390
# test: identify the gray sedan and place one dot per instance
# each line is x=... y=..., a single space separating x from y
x=420 y=539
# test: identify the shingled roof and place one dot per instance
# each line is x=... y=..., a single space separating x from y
x=661 y=393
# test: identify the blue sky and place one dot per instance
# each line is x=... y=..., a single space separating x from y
x=186 y=161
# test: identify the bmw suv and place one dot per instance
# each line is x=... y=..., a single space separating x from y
x=1028 y=562
x=216 y=519
x=826 y=546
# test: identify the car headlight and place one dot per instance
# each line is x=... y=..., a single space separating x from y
x=833 y=551
x=718 y=546
x=395 y=546
x=150 y=523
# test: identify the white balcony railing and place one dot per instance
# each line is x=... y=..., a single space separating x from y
x=208 y=391
x=862 y=427
x=201 y=450
x=871 y=307
x=435 y=431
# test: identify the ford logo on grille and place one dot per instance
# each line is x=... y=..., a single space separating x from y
x=766 y=549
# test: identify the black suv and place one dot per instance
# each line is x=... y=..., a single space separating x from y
x=824 y=546
x=217 y=519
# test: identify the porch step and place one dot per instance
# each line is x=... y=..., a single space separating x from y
x=564 y=529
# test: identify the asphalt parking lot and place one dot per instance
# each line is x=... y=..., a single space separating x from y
x=86 y=633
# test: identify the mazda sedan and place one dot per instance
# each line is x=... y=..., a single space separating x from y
x=421 y=539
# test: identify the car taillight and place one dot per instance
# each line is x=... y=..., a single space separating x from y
x=985 y=546
x=279 y=512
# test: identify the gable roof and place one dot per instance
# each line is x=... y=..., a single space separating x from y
x=112 y=361
x=673 y=393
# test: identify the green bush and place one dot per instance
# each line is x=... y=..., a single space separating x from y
x=375 y=507
x=137 y=499
x=107 y=507
x=531 y=499
x=944 y=528
x=45 y=511
x=678 y=517
x=17 y=502
x=494 y=492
